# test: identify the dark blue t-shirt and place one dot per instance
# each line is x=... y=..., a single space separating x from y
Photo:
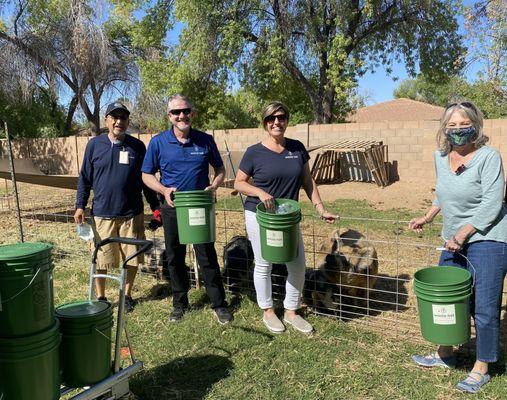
x=184 y=166
x=279 y=174
x=117 y=187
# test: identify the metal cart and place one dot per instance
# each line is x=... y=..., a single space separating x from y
x=117 y=384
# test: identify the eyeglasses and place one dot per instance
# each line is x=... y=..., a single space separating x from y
x=272 y=118
x=464 y=104
x=121 y=117
x=185 y=111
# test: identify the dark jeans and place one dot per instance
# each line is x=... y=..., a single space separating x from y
x=489 y=259
x=206 y=257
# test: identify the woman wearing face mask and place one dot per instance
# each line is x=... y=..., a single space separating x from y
x=469 y=193
x=278 y=167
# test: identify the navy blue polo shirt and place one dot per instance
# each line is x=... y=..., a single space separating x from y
x=117 y=187
x=184 y=166
x=279 y=174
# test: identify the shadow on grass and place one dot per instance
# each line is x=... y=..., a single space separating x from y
x=182 y=378
x=467 y=352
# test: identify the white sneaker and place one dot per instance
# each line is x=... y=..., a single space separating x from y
x=273 y=323
x=299 y=324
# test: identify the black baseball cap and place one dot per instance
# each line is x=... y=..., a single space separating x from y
x=116 y=106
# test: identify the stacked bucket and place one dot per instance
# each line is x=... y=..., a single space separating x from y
x=195 y=213
x=86 y=342
x=443 y=300
x=279 y=230
x=29 y=332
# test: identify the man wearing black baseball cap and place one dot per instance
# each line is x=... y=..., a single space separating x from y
x=112 y=168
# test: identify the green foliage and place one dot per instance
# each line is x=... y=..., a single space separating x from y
x=308 y=54
x=38 y=118
x=484 y=94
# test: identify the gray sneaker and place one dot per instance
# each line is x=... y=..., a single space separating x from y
x=273 y=323
x=299 y=324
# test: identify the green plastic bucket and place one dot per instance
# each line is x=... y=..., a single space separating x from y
x=443 y=301
x=85 y=353
x=26 y=289
x=279 y=232
x=29 y=366
x=195 y=213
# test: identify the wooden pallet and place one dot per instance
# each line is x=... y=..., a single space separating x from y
x=326 y=168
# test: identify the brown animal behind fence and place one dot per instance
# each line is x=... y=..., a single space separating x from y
x=345 y=273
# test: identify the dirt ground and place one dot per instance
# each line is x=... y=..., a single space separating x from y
x=412 y=195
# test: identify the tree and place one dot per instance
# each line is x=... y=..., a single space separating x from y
x=483 y=93
x=486 y=26
x=35 y=117
x=319 y=47
x=66 y=43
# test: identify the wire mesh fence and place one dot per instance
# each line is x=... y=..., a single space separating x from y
x=359 y=270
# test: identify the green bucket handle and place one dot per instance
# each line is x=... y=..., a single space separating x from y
x=467 y=260
x=19 y=293
x=94 y=328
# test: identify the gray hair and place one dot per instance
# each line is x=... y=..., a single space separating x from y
x=471 y=111
x=178 y=96
x=272 y=108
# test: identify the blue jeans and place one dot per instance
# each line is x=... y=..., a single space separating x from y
x=489 y=259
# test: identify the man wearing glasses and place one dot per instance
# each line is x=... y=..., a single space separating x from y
x=112 y=168
x=182 y=155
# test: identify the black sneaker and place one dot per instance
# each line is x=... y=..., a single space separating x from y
x=129 y=304
x=223 y=315
x=102 y=298
x=176 y=314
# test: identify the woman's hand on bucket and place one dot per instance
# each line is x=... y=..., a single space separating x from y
x=267 y=200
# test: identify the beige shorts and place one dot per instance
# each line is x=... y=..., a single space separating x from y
x=110 y=254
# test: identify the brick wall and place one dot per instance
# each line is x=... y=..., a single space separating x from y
x=411 y=144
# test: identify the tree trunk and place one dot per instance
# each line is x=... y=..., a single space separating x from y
x=95 y=124
x=70 y=114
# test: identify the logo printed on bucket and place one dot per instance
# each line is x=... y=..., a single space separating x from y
x=444 y=314
x=274 y=238
x=196 y=216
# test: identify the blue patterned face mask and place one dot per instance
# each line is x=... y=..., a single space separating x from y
x=460 y=136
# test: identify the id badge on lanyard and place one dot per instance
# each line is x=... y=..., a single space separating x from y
x=124 y=156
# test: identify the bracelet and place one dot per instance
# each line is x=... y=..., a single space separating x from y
x=316 y=204
x=456 y=242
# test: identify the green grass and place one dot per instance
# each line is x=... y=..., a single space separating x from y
x=359 y=214
x=199 y=359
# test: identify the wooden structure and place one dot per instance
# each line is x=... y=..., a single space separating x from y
x=356 y=160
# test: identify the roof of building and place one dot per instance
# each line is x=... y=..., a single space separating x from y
x=397 y=110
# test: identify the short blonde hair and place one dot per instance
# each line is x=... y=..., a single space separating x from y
x=471 y=111
x=272 y=108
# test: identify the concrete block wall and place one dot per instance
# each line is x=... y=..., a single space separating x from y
x=411 y=144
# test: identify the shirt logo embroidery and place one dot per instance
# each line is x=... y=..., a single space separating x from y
x=197 y=151
x=291 y=155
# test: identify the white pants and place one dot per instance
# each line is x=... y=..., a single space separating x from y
x=262 y=272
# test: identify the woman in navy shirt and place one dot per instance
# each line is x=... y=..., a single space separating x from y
x=278 y=167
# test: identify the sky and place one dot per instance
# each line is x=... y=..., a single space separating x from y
x=379 y=86
x=375 y=86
